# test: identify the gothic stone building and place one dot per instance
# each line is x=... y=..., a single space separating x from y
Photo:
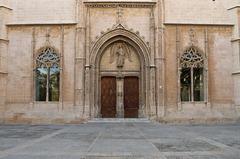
x=68 y=61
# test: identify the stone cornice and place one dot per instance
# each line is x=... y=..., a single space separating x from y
x=236 y=73
x=3 y=73
x=234 y=40
x=5 y=7
x=38 y=23
x=235 y=7
x=4 y=40
x=203 y=24
x=123 y=4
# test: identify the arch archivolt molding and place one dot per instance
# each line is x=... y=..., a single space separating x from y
x=127 y=35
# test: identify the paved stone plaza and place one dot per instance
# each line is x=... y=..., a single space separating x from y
x=122 y=140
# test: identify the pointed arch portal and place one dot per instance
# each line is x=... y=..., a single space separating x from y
x=119 y=75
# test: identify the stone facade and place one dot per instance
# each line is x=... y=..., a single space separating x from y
x=153 y=35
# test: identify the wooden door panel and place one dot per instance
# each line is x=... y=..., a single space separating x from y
x=131 y=97
x=108 y=97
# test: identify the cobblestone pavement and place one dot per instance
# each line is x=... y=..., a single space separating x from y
x=119 y=141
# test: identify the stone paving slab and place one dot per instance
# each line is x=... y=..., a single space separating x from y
x=125 y=146
x=229 y=136
x=184 y=145
x=120 y=140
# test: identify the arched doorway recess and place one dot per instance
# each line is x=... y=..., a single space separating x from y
x=119 y=64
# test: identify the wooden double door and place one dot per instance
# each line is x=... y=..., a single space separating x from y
x=109 y=97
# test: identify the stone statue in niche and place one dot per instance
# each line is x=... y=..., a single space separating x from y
x=120 y=52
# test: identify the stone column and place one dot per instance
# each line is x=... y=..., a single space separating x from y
x=206 y=72
x=87 y=79
x=178 y=70
x=160 y=60
x=5 y=13
x=80 y=59
x=152 y=99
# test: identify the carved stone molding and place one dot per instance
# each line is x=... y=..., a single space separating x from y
x=236 y=73
x=191 y=58
x=3 y=73
x=48 y=57
x=4 y=41
x=5 y=7
x=115 y=32
x=94 y=4
x=119 y=27
x=235 y=40
x=234 y=7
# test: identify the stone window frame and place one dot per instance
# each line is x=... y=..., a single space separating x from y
x=56 y=59
x=204 y=65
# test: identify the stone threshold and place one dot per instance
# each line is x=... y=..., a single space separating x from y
x=119 y=120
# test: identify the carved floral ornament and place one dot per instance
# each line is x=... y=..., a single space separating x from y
x=48 y=57
x=191 y=58
x=120 y=4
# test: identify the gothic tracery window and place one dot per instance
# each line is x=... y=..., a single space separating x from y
x=47 y=75
x=192 y=76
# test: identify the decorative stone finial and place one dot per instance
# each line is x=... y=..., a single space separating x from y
x=119 y=14
x=47 y=43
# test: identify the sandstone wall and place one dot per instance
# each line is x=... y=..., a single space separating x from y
x=137 y=19
x=198 y=12
x=234 y=11
x=214 y=42
x=5 y=13
x=180 y=11
x=23 y=48
x=26 y=23
x=44 y=11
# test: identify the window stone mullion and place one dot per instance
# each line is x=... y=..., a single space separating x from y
x=192 y=89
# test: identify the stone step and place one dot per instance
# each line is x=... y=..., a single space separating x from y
x=121 y=157
x=119 y=120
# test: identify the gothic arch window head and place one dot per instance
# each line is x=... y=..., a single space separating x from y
x=47 y=75
x=48 y=57
x=192 y=75
x=191 y=58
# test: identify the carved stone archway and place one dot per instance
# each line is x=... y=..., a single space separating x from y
x=134 y=40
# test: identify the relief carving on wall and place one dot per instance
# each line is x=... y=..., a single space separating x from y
x=119 y=15
x=119 y=52
x=192 y=37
